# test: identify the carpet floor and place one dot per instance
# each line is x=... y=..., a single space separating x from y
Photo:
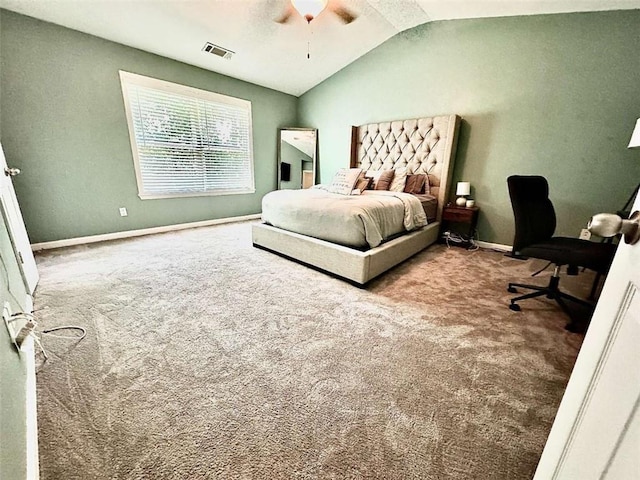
x=208 y=358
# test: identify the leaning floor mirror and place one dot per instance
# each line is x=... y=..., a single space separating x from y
x=297 y=158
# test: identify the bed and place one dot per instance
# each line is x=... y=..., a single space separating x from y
x=419 y=146
x=360 y=221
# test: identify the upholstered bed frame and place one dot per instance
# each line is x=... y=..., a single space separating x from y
x=423 y=145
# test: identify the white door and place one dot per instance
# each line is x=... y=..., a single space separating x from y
x=596 y=433
x=15 y=226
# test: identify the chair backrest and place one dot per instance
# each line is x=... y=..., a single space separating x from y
x=535 y=217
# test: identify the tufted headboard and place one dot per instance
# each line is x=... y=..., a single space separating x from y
x=421 y=145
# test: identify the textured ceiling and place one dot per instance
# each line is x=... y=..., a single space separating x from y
x=268 y=53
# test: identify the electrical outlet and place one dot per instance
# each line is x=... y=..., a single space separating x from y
x=123 y=212
x=585 y=234
x=8 y=321
x=15 y=323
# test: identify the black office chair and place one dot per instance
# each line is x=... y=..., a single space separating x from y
x=535 y=222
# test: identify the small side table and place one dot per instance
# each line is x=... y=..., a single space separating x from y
x=460 y=220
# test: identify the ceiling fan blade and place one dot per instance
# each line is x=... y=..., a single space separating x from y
x=286 y=16
x=345 y=15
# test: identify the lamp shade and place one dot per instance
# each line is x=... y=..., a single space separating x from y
x=635 y=136
x=609 y=225
x=464 y=188
x=605 y=224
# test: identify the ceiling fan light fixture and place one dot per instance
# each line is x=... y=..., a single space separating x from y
x=309 y=9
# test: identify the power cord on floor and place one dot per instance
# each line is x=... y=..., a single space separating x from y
x=541 y=270
x=78 y=338
x=29 y=330
x=456 y=238
x=68 y=327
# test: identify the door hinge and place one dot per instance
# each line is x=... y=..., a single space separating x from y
x=20 y=257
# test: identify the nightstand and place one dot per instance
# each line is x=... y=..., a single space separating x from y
x=459 y=220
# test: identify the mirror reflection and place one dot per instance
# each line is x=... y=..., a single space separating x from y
x=297 y=158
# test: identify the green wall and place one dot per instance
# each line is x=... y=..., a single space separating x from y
x=63 y=124
x=556 y=95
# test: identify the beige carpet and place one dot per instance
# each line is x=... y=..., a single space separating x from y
x=208 y=358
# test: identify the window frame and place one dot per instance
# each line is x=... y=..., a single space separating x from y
x=128 y=78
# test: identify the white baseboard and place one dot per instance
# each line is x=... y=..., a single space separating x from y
x=27 y=352
x=494 y=246
x=68 y=242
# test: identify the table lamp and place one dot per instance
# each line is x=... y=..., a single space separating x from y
x=463 y=190
x=608 y=224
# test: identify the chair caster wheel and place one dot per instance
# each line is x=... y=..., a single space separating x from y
x=512 y=290
x=515 y=307
x=574 y=327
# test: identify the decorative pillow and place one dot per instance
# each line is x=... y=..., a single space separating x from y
x=399 y=179
x=384 y=182
x=363 y=183
x=427 y=185
x=415 y=183
x=344 y=180
x=373 y=175
x=381 y=178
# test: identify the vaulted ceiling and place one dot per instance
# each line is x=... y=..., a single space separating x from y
x=268 y=53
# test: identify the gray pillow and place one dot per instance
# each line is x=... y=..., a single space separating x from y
x=381 y=178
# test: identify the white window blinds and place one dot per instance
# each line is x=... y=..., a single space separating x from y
x=186 y=141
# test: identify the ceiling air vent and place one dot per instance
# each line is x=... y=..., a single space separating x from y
x=217 y=50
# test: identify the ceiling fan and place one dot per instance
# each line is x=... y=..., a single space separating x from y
x=310 y=9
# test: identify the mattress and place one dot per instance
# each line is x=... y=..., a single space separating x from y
x=358 y=221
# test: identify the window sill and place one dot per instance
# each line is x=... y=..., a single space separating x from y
x=144 y=196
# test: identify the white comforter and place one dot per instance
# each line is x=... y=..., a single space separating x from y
x=352 y=220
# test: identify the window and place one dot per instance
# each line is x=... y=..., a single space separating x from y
x=186 y=141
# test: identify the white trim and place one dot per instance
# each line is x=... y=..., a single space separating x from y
x=128 y=79
x=138 y=233
x=27 y=351
x=495 y=246
x=196 y=194
x=179 y=89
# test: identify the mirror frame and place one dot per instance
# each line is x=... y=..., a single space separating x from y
x=279 y=158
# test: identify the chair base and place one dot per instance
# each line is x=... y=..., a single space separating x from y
x=552 y=292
